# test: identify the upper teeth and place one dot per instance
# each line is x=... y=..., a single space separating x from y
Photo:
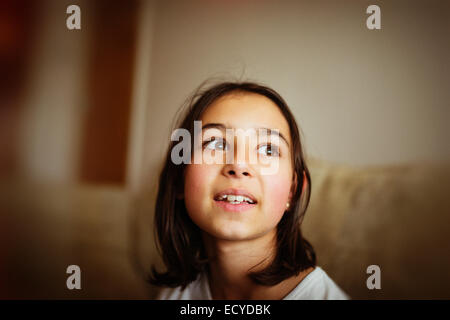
x=235 y=199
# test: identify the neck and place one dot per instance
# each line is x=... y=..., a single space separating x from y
x=231 y=263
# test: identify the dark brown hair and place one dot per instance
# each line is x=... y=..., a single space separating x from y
x=179 y=239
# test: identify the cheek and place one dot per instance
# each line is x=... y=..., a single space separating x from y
x=193 y=179
x=277 y=194
x=196 y=186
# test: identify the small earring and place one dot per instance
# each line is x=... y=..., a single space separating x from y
x=287 y=205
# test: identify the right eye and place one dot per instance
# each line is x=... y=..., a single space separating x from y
x=215 y=144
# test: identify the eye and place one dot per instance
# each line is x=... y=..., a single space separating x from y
x=215 y=144
x=269 y=150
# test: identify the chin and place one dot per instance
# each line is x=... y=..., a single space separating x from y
x=232 y=232
x=237 y=233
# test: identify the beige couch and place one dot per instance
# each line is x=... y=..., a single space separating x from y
x=396 y=217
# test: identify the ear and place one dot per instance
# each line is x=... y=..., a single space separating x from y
x=305 y=182
x=293 y=187
x=295 y=183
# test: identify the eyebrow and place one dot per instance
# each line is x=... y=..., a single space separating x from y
x=221 y=126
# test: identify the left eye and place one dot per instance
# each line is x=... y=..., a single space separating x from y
x=269 y=150
x=216 y=144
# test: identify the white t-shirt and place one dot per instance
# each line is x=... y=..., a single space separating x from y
x=317 y=285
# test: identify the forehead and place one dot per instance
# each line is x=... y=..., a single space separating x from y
x=246 y=110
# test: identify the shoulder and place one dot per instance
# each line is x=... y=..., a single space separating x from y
x=196 y=290
x=317 y=285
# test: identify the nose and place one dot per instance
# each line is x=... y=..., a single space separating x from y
x=239 y=166
x=237 y=171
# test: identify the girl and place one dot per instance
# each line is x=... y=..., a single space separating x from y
x=227 y=229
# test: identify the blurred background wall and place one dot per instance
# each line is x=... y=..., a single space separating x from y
x=86 y=114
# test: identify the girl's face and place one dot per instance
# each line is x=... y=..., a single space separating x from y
x=206 y=184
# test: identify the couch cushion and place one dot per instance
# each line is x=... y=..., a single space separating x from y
x=396 y=217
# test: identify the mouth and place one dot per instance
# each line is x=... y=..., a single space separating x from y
x=235 y=200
